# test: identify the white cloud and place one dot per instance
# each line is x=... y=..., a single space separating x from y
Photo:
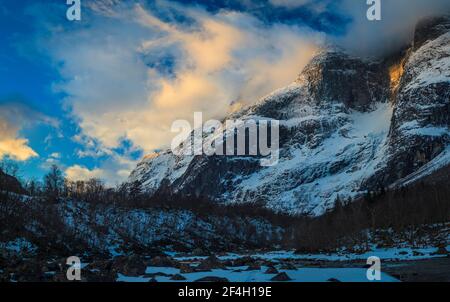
x=396 y=29
x=115 y=92
x=113 y=171
x=76 y=173
x=55 y=155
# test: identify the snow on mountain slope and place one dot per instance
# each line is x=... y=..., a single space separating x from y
x=160 y=166
x=345 y=128
x=442 y=160
x=328 y=145
x=307 y=176
x=430 y=64
x=421 y=119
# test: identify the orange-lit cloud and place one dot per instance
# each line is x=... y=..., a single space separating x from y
x=395 y=30
x=226 y=59
x=14 y=117
x=16 y=148
x=11 y=144
x=229 y=58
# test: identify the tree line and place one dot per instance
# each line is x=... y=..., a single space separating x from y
x=398 y=209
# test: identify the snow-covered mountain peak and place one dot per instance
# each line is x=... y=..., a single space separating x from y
x=347 y=125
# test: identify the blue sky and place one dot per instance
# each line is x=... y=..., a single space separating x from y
x=95 y=95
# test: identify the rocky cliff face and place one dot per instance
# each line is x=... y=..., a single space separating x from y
x=420 y=125
x=347 y=125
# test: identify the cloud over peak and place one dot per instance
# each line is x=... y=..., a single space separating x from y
x=118 y=89
x=131 y=68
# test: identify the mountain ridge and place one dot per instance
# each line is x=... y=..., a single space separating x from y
x=347 y=126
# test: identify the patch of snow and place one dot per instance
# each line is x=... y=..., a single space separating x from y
x=413 y=128
x=386 y=254
x=440 y=161
x=164 y=270
x=431 y=63
x=124 y=278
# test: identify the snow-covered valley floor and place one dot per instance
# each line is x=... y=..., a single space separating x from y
x=288 y=266
x=241 y=274
x=401 y=263
x=387 y=254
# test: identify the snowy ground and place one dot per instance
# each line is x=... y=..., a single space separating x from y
x=388 y=254
x=239 y=274
x=302 y=273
